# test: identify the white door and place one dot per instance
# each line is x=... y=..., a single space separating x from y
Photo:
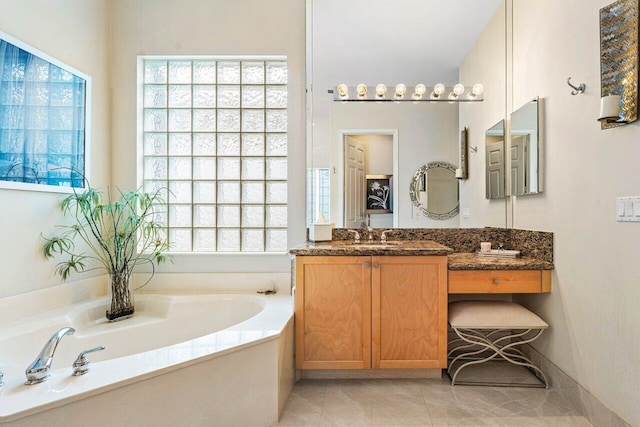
x=519 y=162
x=354 y=182
x=495 y=170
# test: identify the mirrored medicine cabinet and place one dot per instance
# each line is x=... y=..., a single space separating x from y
x=521 y=154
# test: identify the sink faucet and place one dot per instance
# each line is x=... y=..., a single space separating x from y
x=38 y=371
x=383 y=236
x=356 y=236
x=370 y=231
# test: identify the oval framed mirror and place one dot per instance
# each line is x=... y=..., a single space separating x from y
x=434 y=189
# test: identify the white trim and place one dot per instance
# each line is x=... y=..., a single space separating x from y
x=396 y=152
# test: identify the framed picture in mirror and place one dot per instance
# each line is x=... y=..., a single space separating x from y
x=378 y=193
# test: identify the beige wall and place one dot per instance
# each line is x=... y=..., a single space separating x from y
x=593 y=308
x=76 y=33
x=203 y=27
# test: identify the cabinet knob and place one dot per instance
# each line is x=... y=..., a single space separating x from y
x=367 y=265
x=376 y=264
x=496 y=281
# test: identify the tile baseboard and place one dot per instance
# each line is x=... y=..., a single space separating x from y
x=596 y=412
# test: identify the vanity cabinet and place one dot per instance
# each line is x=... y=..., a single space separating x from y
x=362 y=312
x=499 y=281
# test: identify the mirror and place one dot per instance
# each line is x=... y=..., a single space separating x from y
x=349 y=45
x=526 y=150
x=495 y=161
x=434 y=189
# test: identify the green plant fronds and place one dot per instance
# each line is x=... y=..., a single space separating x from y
x=120 y=233
x=56 y=245
x=75 y=262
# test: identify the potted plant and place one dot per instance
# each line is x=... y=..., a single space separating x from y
x=117 y=236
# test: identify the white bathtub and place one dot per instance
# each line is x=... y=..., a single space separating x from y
x=187 y=360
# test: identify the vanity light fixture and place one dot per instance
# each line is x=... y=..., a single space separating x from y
x=361 y=93
x=476 y=90
x=362 y=90
x=418 y=91
x=343 y=91
x=437 y=91
x=458 y=90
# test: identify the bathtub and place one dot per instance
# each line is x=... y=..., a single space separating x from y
x=182 y=360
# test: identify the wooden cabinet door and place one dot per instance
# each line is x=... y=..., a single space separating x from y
x=409 y=308
x=333 y=312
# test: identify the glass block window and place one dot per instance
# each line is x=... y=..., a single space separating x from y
x=215 y=137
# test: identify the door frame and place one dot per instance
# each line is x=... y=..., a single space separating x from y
x=395 y=161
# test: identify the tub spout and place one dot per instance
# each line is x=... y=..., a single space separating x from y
x=38 y=371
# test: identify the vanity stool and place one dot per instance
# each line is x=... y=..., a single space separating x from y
x=492 y=330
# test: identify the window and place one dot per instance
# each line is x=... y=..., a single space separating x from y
x=317 y=194
x=214 y=135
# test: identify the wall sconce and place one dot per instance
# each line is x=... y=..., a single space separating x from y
x=619 y=63
x=609 y=109
x=456 y=93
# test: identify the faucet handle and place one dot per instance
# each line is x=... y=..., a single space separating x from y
x=81 y=364
x=356 y=235
x=383 y=236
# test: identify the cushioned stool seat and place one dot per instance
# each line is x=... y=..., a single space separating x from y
x=492 y=330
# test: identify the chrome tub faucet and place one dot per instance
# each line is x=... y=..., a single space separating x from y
x=38 y=371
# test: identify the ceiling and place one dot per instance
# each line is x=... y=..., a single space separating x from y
x=391 y=41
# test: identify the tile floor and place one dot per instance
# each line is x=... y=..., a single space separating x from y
x=424 y=402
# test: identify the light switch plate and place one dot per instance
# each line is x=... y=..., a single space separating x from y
x=628 y=209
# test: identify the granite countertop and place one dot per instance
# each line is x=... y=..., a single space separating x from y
x=456 y=261
x=471 y=261
x=345 y=247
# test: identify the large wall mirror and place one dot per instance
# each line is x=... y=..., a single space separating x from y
x=351 y=43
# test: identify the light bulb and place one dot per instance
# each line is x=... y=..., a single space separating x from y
x=362 y=89
x=381 y=90
x=420 y=89
x=437 y=90
x=477 y=89
x=343 y=90
x=400 y=90
x=458 y=89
